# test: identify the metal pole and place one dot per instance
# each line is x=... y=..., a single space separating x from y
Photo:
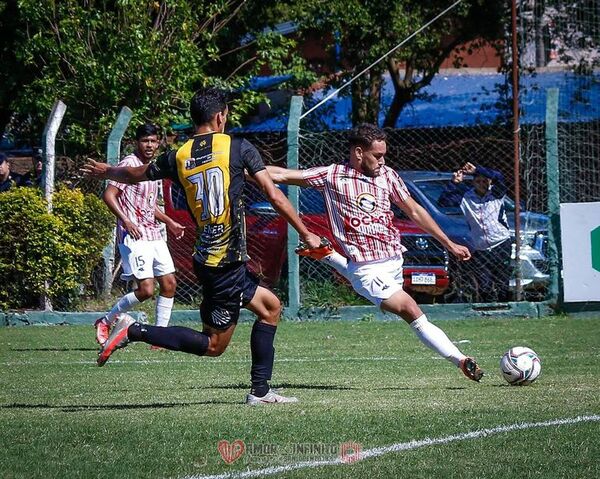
x=49 y=149
x=113 y=153
x=517 y=147
x=553 y=185
x=49 y=165
x=293 y=195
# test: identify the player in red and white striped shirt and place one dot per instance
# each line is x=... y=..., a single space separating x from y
x=144 y=253
x=358 y=197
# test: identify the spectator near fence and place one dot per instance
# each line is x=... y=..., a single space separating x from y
x=144 y=253
x=8 y=178
x=35 y=174
x=358 y=196
x=483 y=207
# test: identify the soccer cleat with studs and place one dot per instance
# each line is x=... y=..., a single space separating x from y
x=470 y=369
x=118 y=338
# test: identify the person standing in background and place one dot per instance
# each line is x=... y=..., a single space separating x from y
x=144 y=253
x=483 y=208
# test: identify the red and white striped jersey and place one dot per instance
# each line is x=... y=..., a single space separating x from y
x=138 y=202
x=359 y=209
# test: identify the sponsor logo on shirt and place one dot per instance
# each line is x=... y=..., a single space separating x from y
x=366 y=202
x=192 y=163
x=356 y=221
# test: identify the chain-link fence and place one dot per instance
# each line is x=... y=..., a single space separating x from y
x=430 y=272
x=425 y=159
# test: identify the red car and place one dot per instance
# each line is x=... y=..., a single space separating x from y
x=425 y=260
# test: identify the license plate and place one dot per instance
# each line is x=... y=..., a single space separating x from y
x=422 y=278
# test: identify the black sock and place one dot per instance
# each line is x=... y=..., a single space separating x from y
x=263 y=354
x=175 y=338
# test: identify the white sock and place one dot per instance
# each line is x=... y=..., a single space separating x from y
x=338 y=262
x=163 y=311
x=124 y=304
x=434 y=338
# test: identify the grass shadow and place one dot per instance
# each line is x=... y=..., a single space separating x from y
x=53 y=349
x=112 y=407
x=325 y=387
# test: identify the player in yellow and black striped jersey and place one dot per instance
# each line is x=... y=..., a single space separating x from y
x=210 y=168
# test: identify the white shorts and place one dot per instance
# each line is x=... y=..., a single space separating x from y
x=145 y=259
x=376 y=280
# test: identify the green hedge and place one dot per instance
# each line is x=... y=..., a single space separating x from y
x=60 y=248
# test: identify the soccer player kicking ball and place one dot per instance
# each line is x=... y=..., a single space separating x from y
x=358 y=197
x=210 y=170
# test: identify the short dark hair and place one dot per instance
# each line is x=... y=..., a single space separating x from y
x=146 y=129
x=206 y=103
x=365 y=134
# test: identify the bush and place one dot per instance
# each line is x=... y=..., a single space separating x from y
x=59 y=249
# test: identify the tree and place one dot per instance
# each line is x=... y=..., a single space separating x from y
x=368 y=29
x=98 y=55
x=12 y=73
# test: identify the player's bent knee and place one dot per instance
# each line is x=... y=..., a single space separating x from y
x=168 y=293
x=272 y=313
x=215 y=350
x=144 y=292
x=403 y=305
x=168 y=286
x=266 y=306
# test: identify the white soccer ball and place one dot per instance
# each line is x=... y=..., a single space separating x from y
x=520 y=366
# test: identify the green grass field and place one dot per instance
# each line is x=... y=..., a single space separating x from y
x=154 y=414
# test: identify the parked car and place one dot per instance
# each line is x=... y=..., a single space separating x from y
x=426 y=188
x=425 y=261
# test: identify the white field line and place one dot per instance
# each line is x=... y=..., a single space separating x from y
x=401 y=446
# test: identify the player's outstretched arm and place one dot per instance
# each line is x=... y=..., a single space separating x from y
x=424 y=220
x=286 y=176
x=285 y=208
x=122 y=174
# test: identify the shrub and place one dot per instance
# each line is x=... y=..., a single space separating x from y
x=52 y=253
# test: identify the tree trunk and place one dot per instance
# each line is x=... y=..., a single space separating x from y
x=366 y=97
x=403 y=91
x=374 y=97
x=401 y=98
x=358 y=104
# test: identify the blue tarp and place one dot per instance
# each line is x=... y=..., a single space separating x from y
x=267 y=82
x=465 y=100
